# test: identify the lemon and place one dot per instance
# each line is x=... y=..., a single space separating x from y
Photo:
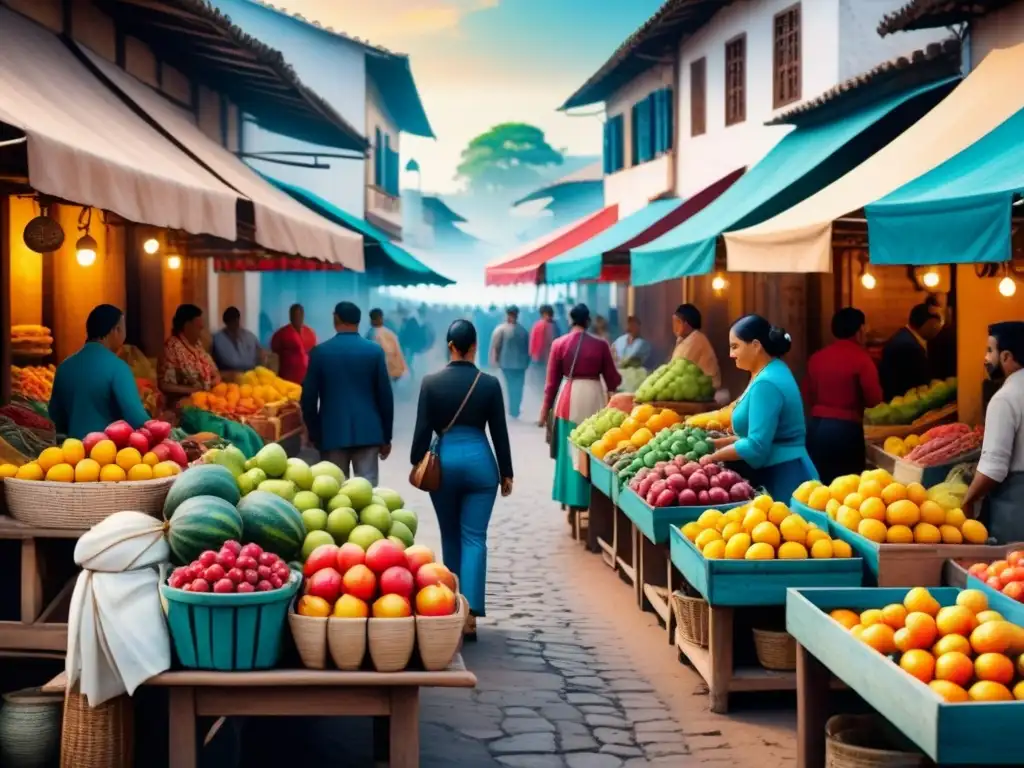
x=166 y=469
x=853 y=500
x=150 y=458
x=794 y=528
x=140 y=472
x=50 y=457
x=112 y=473
x=956 y=518
x=848 y=518
x=73 y=451
x=822 y=549
x=803 y=492
x=816 y=534
x=778 y=513
x=792 y=550
x=709 y=518
x=974 y=532
x=706 y=537
x=763 y=502
x=87 y=471
x=736 y=548
x=8 y=470
x=832 y=507
x=841 y=549
x=926 y=533
x=899 y=534
x=872 y=530
x=760 y=551
x=753 y=518
x=128 y=458
x=30 y=471
x=819 y=498
x=766 y=533
x=730 y=530
x=950 y=534
x=715 y=550
x=690 y=530
x=61 y=473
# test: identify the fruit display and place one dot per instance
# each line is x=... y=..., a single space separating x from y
x=689 y=443
x=676 y=381
x=274 y=387
x=234 y=569
x=762 y=530
x=152 y=398
x=231 y=400
x=906 y=409
x=945 y=445
x=633 y=376
x=881 y=510
x=34 y=382
x=682 y=482
x=117 y=454
x=963 y=652
x=383 y=581
x=593 y=428
x=717 y=421
x=635 y=431
x=31 y=340
x=1006 y=575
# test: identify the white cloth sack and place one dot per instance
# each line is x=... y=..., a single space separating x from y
x=117 y=633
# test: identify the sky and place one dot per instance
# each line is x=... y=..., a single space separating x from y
x=478 y=63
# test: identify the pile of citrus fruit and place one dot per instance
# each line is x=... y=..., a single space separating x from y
x=637 y=430
x=70 y=463
x=886 y=512
x=964 y=652
x=762 y=530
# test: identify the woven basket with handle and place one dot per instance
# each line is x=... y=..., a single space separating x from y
x=79 y=506
x=868 y=741
x=775 y=650
x=692 y=618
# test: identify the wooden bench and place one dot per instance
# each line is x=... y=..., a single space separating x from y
x=393 y=697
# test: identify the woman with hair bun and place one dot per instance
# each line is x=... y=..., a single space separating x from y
x=768 y=419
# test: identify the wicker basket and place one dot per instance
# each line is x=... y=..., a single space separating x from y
x=346 y=640
x=692 y=618
x=868 y=741
x=30 y=728
x=775 y=650
x=391 y=642
x=100 y=737
x=310 y=636
x=439 y=637
x=80 y=506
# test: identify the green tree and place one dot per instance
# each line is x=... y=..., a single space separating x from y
x=506 y=158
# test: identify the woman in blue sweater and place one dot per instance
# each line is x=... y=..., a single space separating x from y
x=768 y=419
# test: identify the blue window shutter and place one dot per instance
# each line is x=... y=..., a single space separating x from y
x=659 y=121
x=620 y=158
x=387 y=163
x=647 y=109
x=378 y=159
x=607 y=144
x=670 y=123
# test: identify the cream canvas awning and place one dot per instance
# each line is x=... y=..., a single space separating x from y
x=800 y=238
x=282 y=224
x=87 y=146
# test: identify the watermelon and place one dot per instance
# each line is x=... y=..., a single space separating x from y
x=204 y=480
x=202 y=523
x=273 y=523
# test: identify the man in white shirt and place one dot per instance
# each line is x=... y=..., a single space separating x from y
x=999 y=478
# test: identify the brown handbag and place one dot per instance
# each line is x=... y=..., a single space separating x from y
x=427 y=474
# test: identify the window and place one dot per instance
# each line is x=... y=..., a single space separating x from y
x=786 y=61
x=642 y=144
x=664 y=127
x=378 y=159
x=614 y=154
x=736 y=80
x=698 y=97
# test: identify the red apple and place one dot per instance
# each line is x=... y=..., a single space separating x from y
x=434 y=573
x=119 y=432
x=148 y=435
x=178 y=455
x=384 y=554
x=139 y=442
x=359 y=581
x=91 y=439
x=162 y=452
x=397 y=580
x=435 y=600
x=417 y=556
x=391 y=607
x=324 y=556
x=995 y=583
x=160 y=430
x=325 y=583
x=350 y=554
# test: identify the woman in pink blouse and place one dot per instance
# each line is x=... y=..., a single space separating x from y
x=579 y=362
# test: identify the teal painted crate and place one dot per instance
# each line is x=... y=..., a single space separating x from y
x=820 y=519
x=738 y=583
x=228 y=633
x=997 y=601
x=971 y=733
x=654 y=522
x=601 y=476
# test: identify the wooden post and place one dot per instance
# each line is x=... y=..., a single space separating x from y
x=720 y=654
x=5 y=299
x=405 y=727
x=182 y=727
x=133 y=321
x=812 y=691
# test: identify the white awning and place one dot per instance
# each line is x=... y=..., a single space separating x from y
x=86 y=145
x=282 y=224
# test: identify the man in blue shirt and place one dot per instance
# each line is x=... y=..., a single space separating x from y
x=347 y=402
x=510 y=351
x=234 y=347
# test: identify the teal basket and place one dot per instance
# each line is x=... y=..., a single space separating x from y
x=228 y=633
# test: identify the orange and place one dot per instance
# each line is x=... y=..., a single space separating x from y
x=993 y=637
x=670 y=417
x=853 y=501
x=985 y=616
x=841 y=548
x=765 y=533
x=917 y=493
x=952 y=644
x=778 y=513
x=918 y=663
x=104 y=452
x=642 y=413
x=902 y=640
x=112 y=473
x=128 y=458
x=974 y=532
x=763 y=503
x=955 y=620
x=87 y=471
x=641 y=437
x=985 y=690
x=752 y=519
x=951 y=692
x=30 y=471
x=656 y=423
x=894 y=615
x=932 y=513
x=872 y=616
x=926 y=533
x=50 y=457
x=920 y=599
x=1018 y=691
x=955 y=667
x=847 y=618
x=994 y=667
x=950 y=534
x=873 y=508
x=902 y=512
x=598 y=449
x=870 y=489
x=73 y=451
x=140 y=472
x=894 y=492
x=794 y=528
x=899 y=534
x=857 y=630
x=956 y=518
x=880 y=637
x=921 y=629
x=612 y=437
x=690 y=530
x=973 y=599
x=629 y=427
x=8 y=470
x=819 y=498
x=166 y=469
x=872 y=530
x=61 y=473
x=803 y=492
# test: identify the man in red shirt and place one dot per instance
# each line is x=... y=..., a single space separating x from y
x=841 y=382
x=292 y=345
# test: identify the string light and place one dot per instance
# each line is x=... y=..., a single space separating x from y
x=1007 y=286
x=718 y=283
x=868 y=281
x=151 y=246
x=174 y=262
x=85 y=251
x=930 y=278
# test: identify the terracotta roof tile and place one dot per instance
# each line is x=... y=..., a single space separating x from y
x=928 y=14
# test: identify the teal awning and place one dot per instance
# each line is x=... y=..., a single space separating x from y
x=386 y=262
x=805 y=160
x=957 y=213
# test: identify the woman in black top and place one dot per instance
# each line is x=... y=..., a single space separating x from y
x=457 y=404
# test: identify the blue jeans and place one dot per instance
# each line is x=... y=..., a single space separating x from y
x=515 y=381
x=469 y=486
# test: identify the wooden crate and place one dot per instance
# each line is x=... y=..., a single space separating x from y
x=601 y=475
x=907 y=472
x=654 y=522
x=950 y=734
x=877 y=432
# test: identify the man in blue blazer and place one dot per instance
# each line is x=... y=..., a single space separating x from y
x=347 y=401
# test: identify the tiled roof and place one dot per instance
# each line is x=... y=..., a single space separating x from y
x=936 y=61
x=927 y=14
x=658 y=36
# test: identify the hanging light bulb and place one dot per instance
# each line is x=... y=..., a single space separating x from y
x=85 y=251
x=1007 y=286
x=151 y=246
x=930 y=278
x=718 y=283
x=868 y=281
x=174 y=262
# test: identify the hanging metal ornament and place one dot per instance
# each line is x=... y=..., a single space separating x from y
x=43 y=234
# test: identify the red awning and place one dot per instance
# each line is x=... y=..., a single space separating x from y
x=527 y=264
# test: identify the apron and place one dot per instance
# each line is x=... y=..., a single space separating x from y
x=576 y=400
x=1005 y=512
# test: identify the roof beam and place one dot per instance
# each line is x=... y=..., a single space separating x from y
x=164 y=8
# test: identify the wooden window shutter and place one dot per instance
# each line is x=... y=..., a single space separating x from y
x=698 y=97
x=736 y=80
x=786 y=59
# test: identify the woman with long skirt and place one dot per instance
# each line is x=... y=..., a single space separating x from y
x=581 y=373
x=456 y=406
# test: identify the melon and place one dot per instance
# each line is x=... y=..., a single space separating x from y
x=204 y=480
x=273 y=523
x=201 y=523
